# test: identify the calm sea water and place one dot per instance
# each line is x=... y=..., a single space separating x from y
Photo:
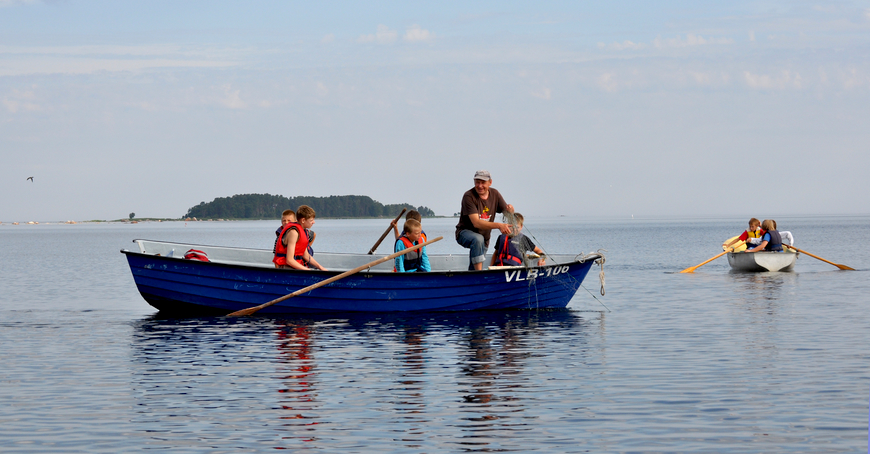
x=709 y=362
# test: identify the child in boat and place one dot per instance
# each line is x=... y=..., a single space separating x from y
x=771 y=241
x=511 y=248
x=293 y=239
x=414 y=261
x=784 y=234
x=752 y=236
x=286 y=217
x=290 y=216
x=413 y=214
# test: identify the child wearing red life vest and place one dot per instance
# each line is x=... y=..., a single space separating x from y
x=286 y=217
x=289 y=216
x=414 y=261
x=293 y=240
x=511 y=248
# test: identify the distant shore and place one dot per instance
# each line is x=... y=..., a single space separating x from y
x=138 y=220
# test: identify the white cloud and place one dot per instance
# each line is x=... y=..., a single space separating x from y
x=20 y=60
x=383 y=36
x=232 y=99
x=544 y=93
x=867 y=13
x=853 y=79
x=321 y=89
x=786 y=79
x=415 y=33
x=607 y=82
x=19 y=101
x=625 y=45
x=752 y=36
x=328 y=39
x=5 y=3
x=690 y=41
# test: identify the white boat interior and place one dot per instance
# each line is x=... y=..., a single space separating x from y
x=330 y=260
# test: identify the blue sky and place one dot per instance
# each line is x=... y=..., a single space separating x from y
x=577 y=108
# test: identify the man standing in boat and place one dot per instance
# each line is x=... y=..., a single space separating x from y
x=477 y=218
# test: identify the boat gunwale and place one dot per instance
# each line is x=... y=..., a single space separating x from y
x=264 y=267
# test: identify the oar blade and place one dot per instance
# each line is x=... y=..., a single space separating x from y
x=243 y=312
x=845 y=268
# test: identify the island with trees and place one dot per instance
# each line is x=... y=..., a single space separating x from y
x=268 y=206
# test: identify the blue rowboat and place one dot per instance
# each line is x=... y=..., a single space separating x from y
x=239 y=278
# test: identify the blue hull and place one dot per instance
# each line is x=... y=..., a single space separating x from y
x=189 y=286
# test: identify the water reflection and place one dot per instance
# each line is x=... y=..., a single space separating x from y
x=759 y=299
x=313 y=382
x=299 y=394
x=766 y=287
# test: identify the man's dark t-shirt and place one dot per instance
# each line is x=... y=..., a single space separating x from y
x=485 y=210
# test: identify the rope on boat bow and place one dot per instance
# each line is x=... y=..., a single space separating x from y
x=509 y=218
x=600 y=261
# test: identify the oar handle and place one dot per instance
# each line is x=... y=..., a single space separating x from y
x=372 y=250
x=692 y=269
x=842 y=267
x=251 y=310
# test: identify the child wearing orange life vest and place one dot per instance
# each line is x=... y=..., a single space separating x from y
x=752 y=236
x=511 y=248
x=413 y=214
x=293 y=240
x=414 y=261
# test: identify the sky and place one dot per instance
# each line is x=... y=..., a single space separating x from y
x=577 y=108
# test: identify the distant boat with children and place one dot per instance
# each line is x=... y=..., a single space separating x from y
x=762 y=260
x=234 y=279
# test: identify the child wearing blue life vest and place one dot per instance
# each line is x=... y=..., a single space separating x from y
x=414 y=261
x=511 y=248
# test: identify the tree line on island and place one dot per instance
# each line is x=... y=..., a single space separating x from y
x=268 y=206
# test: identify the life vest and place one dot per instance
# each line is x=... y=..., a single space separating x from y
x=196 y=254
x=309 y=235
x=280 y=250
x=508 y=254
x=757 y=233
x=411 y=260
x=775 y=242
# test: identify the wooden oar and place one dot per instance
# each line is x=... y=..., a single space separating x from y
x=251 y=310
x=842 y=267
x=692 y=269
x=372 y=250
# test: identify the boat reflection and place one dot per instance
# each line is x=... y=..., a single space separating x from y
x=412 y=377
x=759 y=299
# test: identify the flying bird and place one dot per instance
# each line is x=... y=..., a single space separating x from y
x=30 y=178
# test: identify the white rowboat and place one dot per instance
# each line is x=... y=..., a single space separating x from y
x=762 y=261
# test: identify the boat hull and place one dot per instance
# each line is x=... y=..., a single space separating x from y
x=172 y=284
x=762 y=261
